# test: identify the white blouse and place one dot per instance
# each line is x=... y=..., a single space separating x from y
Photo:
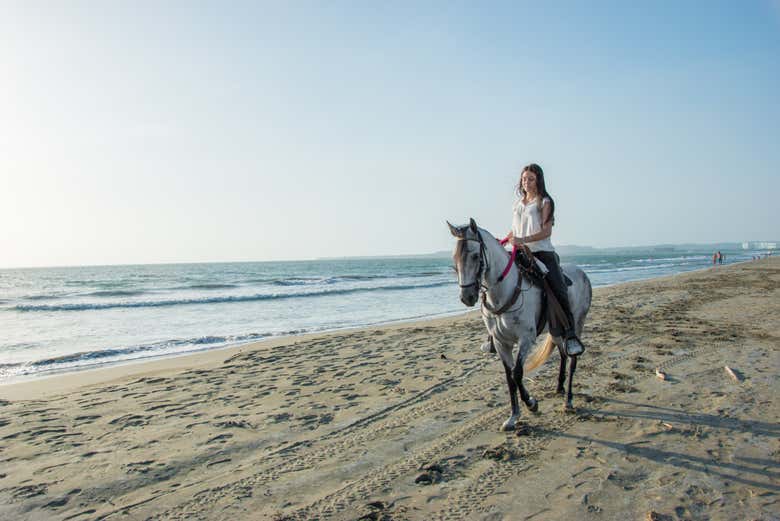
x=527 y=221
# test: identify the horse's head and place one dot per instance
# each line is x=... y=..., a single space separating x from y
x=469 y=260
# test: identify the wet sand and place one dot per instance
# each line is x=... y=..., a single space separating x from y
x=402 y=422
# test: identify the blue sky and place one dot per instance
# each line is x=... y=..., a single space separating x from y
x=142 y=132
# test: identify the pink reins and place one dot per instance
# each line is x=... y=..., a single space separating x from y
x=511 y=259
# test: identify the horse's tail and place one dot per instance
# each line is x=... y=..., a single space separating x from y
x=539 y=355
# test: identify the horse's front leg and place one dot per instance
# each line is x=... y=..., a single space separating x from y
x=517 y=374
x=562 y=373
x=506 y=358
x=569 y=394
x=509 y=424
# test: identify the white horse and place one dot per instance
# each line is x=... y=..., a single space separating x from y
x=511 y=309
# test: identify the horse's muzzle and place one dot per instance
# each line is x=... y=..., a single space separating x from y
x=469 y=297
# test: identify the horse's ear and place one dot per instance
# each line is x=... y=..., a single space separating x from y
x=473 y=225
x=457 y=232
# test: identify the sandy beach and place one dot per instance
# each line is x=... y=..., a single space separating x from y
x=402 y=422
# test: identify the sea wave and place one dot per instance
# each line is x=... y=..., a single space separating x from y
x=303 y=281
x=634 y=268
x=165 y=347
x=209 y=286
x=332 y=279
x=43 y=296
x=296 y=281
x=673 y=259
x=156 y=346
x=116 y=293
x=84 y=306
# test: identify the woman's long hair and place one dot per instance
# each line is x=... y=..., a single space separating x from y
x=541 y=188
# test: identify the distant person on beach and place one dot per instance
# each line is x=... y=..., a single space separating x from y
x=714 y=258
x=533 y=216
x=720 y=258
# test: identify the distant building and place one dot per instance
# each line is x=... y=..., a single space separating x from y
x=753 y=245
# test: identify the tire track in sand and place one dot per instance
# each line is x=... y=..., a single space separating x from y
x=306 y=454
x=466 y=501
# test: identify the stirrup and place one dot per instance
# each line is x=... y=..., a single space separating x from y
x=573 y=346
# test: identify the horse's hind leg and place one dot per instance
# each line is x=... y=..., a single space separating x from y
x=569 y=394
x=509 y=425
x=562 y=372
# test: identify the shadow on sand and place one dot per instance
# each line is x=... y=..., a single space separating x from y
x=757 y=472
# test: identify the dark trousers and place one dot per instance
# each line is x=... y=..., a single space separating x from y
x=558 y=286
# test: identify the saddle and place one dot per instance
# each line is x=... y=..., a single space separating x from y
x=532 y=270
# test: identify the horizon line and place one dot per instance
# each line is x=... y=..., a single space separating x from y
x=342 y=257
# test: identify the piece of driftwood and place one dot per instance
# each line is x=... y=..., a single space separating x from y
x=731 y=373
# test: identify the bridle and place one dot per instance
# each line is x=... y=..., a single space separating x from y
x=483 y=287
x=482 y=263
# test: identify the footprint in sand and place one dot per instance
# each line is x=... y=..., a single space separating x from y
x=129 y=420
x=234 y=424
x=220 y=438
x=141 y=467
x=82 y=420
x=62 y=501
x=278 y=418
x=627 y=480
x=620 y=387
x=29 y=491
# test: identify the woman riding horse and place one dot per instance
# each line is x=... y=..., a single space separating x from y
x=533 y=216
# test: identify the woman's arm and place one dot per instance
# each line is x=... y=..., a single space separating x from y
x=545 y=233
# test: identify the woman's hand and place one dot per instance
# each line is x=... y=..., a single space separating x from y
x=517 y=241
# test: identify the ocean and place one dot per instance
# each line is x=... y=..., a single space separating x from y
x=56 y=320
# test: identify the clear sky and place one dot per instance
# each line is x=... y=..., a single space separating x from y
x=209 y=131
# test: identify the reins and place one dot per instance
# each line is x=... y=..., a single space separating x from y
x=511 y=259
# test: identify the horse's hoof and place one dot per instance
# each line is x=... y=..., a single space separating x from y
x=508 y=426
x=568 y=406
x=560 y=391
x=533 y=405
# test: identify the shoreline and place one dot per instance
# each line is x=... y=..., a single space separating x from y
x=112 y=364
x=28 y=385
x=30 y=389
x=56 y=372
